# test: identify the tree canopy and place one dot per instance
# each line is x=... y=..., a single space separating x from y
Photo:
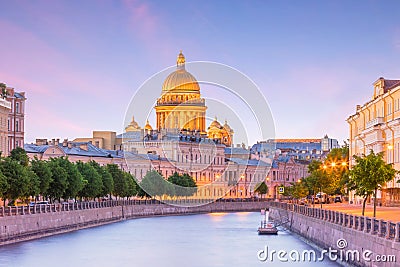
x=368 y=175
x=184 y=185
x=153 y=184
x=93 y=185
x=261 y=188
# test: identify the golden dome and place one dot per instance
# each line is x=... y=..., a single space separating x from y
x=180 y=80
x=215 y=124
x=148 y=127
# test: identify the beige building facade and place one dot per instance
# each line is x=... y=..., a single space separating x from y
x=16 y=119
x=376 y=126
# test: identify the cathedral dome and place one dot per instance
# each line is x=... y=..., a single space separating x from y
x=215 y=124
x=180 y=80
x=148 y=127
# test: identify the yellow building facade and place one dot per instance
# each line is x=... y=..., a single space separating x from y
x=376 y=125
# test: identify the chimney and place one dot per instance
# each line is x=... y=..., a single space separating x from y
x=69 y=145
x=57 y=141
x=53 y=141
x=65 y=143
x=41 y=142
x=358 y=107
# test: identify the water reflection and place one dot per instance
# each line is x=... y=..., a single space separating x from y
x=216 y=239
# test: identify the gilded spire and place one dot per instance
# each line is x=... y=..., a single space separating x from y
x=180 y=62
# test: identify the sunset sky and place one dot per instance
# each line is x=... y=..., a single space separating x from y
x=80 y=62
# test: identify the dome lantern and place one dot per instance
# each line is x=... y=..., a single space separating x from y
x=181 y=80
x=180 y=61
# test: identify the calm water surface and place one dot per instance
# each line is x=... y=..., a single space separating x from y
x=219 y=239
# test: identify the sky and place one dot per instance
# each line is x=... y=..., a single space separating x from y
x=81 y=62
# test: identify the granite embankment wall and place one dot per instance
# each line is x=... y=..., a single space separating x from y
x=356 y=233
x=26 y=223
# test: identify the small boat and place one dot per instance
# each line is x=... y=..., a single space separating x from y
x=267 y=227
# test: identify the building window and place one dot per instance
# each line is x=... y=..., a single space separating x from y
x=17 y=107
x=16 y=126
x=8 y=125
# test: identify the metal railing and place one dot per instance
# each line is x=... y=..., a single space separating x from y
x=373 y=226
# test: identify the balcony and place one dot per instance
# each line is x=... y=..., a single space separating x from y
x=376 y=121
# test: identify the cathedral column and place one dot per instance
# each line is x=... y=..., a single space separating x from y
x=181 y=119
x=192 y=122
x=203 y=127
x=198 y=121
x=170 y=118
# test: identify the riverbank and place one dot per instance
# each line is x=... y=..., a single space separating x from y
x=27 y=223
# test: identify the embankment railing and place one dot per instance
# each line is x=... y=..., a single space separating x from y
x=381 y=228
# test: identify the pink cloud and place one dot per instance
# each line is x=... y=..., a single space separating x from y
x=45 y=120
x=39 y=65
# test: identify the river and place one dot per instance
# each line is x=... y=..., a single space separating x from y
x=217 y=239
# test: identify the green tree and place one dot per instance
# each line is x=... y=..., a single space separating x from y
x=34 y=183
x=131 y=185
x=106 y=178
x=3 y=187
x=336 y=168
x=153 y=184
x=318 y=179
x=118 y=179
x=42 y=170
x=183 y=185
x=368 y=176
x=331 y=175
x=74 y=178
x=261 y=189
x=299 y=190
x=19 y=154
x=93 y=185
x=4 y=92
x=59 y=181
x=17 y=179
